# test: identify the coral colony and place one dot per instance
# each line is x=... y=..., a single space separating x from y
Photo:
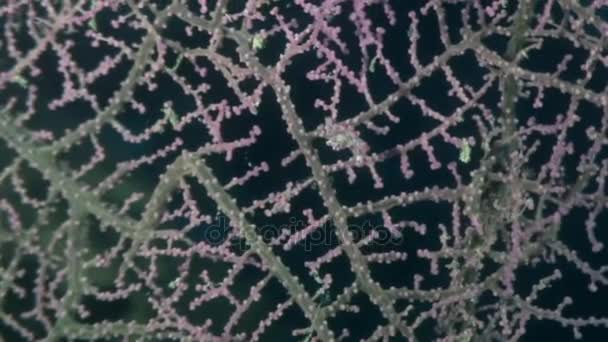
x=303 y=170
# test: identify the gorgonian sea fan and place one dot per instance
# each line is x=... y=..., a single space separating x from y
x=335 y=170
